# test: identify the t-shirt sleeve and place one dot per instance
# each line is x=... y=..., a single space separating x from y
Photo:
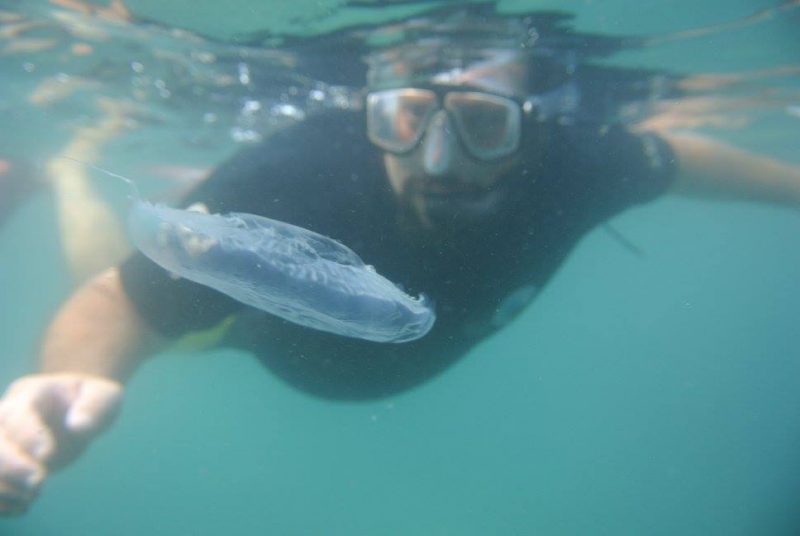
x=641 y=165
x=609 y=169
x=171 y=306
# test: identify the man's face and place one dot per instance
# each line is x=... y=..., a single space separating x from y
x=441 y=185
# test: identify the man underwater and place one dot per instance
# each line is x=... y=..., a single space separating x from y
x=474 y=168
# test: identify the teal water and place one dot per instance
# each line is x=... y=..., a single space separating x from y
x=654 y=395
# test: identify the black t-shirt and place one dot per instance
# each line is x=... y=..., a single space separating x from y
x=323 y=174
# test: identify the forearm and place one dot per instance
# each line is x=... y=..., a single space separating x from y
x=98 y=332
x=708 y=168
x=94 y=343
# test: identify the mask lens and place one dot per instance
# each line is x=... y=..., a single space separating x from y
x=489 y=125
x=396 y=118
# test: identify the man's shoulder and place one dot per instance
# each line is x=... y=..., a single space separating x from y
x=321 y=156
x=327 y=133
x=328 y=153
x=610 y=163
x=322 y=174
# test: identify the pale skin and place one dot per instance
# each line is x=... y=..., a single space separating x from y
x=97 y=341
x=91 y=236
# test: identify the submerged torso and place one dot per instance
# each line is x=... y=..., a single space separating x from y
x=324 y=175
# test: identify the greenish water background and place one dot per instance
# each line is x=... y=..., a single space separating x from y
x=637 y=396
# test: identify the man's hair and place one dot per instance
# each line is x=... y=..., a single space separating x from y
x=516 y=54
x=537 y=52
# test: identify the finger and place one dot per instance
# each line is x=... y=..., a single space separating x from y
x=14 y=502
x=23 y=416
x=20 y=475
x=95 y=406
x=26 y=429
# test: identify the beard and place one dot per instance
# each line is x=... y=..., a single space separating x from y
x=430 y=217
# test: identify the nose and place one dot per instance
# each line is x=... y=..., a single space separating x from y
x=439 y=145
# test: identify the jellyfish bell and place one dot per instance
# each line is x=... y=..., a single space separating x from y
x=301 y=276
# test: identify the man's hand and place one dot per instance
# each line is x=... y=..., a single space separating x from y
x=46 y=421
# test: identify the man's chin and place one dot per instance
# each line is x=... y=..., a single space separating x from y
x=461 y=209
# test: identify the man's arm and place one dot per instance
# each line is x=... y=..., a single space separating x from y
x=711 y=169
x=46 y=420
x=98 y=332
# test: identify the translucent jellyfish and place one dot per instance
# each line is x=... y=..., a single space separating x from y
x=291 y=272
